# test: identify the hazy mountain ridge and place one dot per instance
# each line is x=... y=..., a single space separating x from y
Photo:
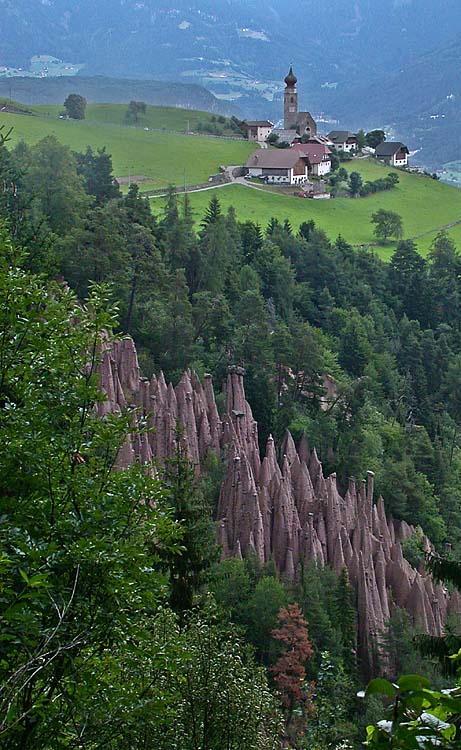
x=366 y=62
x=340 y=34
x=421 y=102
x=98 y=89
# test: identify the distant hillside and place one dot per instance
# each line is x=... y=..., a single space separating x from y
x=154 y=38
x=113 y=90
x=368 y=62
x=420 y=103
x=425 y=206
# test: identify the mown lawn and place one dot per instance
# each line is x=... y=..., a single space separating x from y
x=164 y=158
x=424 y=204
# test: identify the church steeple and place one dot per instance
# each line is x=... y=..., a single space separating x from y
x=291 y=79
x=290 y=101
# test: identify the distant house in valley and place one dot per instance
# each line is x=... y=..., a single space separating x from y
x=319 y=156
x=395 y=154
x=257 y=130
x=343 y=140
x=279 y=166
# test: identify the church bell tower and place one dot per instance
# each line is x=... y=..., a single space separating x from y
x=290 y=105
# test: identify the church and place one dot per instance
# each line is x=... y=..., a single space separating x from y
x=295 y=124
x=302 y=122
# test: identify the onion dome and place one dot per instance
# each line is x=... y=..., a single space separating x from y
x=291 y=79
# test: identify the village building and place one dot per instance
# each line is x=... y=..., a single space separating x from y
x=343 y=140
x=319 y=156
x=257 y=130
x=301 y=122
x=282 y=166
x=320 y=139
x=286 y=136
x=393 y=154
x=316 y=190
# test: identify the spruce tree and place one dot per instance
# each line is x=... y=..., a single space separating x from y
x=447 y=570
x=213 y=212
x=345 y=619
x=199 y=550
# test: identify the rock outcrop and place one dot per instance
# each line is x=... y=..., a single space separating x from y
x=282 y=510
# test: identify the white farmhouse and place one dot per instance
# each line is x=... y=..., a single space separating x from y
x=282 y=166
x=343 y=140
x=257 y=130
x=394 y=154
x=319 y=156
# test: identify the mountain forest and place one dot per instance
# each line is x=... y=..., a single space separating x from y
x=124 y=624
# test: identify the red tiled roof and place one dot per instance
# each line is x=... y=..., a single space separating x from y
x=314 y=151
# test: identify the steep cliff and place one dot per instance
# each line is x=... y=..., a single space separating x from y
x=286 y=510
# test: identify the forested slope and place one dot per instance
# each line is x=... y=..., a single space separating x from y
x=288 y=308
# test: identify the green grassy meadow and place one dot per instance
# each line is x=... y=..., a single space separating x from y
x=166 y=118
x=164 y=158
x=424 y=204
x=170 y=158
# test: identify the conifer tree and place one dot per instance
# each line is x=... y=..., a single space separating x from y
x=97 y=171
x=213 y=212
x=306 y=228
x=444 y=569
x=287 y=227
x=199 y=549
x=273 y=226
x=251 y=239
x=345 y=619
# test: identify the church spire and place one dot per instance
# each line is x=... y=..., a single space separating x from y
x=291 y=79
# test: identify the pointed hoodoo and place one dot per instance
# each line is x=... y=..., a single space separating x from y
x=291 y=515
x=304 y=451
x=289 y=447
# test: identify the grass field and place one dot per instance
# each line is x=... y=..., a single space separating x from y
x=165 y=118
x=167 y=158
x=424 y=204
x=164 y=158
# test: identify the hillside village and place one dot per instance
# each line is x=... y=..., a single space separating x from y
x=297 y=155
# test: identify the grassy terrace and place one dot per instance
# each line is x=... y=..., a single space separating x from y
x=423 y=203
x=162 y=157
x=166 y=158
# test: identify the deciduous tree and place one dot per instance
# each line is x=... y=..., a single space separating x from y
x=134 y=110
x=375 y=137
x=289 y=671
x=75 y=106
x=387 y=224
